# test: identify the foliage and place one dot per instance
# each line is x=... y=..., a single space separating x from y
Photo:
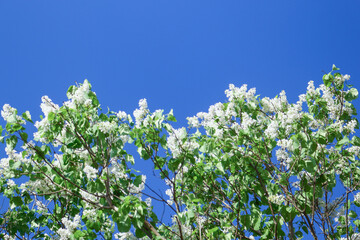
x=248 y=168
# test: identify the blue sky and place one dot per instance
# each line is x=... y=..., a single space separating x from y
x=177 y=54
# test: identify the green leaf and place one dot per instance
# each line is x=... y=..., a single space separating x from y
x=220 y=167
x=328 y=79
x=11 y=142
x=171 y=117
x=79 y=234
x=352 y=94
x=17 y=201
x=51 y=116
x=24 y=136
x=139 y=233
x=334 y=68
x=356 y=141
x=26 y=115
x=130 y=158
x=138 y=180
x=100 y=187
x=75 y=144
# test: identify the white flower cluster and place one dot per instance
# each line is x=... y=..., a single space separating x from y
x=355 y=236
x=193 y=122
x=41 y=206
x=122 y=115
x=88 y=196
x=277 y=199
x=341 y=79
x=137 y=190
x=354 y=150
x=141 y=112
x=47 y=106
x=116 y=169
x=350 y=126
x=178 y=143
x=331 y=105
x=246 y=121
x=91 y=173
x=70 y=226
x=357 y=197
x=106 y=127
x=90 y=213
x=169 y=192
x=8 y=112
x=274 y=105
x=311 y=91
x=125 y=236
x=5 y=162
x=239 y=93
x=7 y=237
x=272 y=129
x=9 y=115
x=43 y=185
x=10 y=183
x=80 y=96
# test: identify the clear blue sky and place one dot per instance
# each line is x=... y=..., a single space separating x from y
x=177 y=54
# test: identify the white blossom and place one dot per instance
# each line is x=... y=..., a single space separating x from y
x=91 y=173
x=246 y=121
x=193 y=122
x=272 y=129
x=350 y=126
x=106 y=127
x=125 y=236
x=277 y=199
x=169 y=192
x=10 y=183
x=357 y=197
x=47 y=106
x=141 y=112
x=70 y=226
x=122 y=115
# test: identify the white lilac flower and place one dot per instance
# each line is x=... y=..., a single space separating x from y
x=193 y=122
x=285 y=144
x=41 y=207
x=169 y=192
x=70 y=226
x=350 y=126
x=148 y=202
x=106 y=127
x=81 y=94
x=140 y=113
x=311 y=91
x=357 y=197
x=235 y=92
x=91 y=173
x=9 y=115
x=354 y=150
x=10 y=183
x=178 y=143
x=90 y=213
x=272 y=129
x=122 y=115
x=277 y=199
x=246 y=121
x=125 y=236
x=89 y=197
x=137 y=190
x=8 y=112
x=7 y=237
x=47 y=106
